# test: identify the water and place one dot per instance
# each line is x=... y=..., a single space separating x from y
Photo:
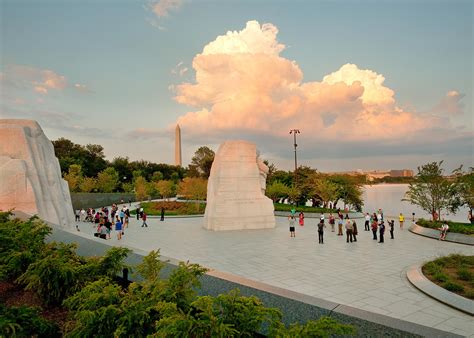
x=388 y=198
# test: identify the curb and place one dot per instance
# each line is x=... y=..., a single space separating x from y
x=434 y=234
x=418 y=280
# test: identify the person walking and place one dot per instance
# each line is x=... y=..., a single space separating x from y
x=354 y=231
x=367 y=222
x=122 y=215
x=138 y=213
x=374 y=229
x=401 y=219
x=301 y=218
x=348 y=231
x=392 y=225
x=144 y=216
x=82 y=215
x=340 y=222
x=78 y=215
x=381 y=231
x=162 y=218
x=321 y=227
x=332 y=222
x=291 y=221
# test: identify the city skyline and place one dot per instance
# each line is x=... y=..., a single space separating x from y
x=370 y=85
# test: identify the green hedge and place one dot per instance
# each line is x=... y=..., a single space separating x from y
x=457 y=227
x=288 y=207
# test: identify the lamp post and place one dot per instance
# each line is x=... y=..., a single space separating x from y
x=294 y=132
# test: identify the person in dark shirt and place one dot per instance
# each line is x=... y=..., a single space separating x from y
x=392 y=225
x=381 y=231
x=354 y=231
x=138 y=213
x=321 y=227
x=162 y=218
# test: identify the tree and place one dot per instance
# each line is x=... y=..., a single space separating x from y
x=201 y=162
x=88 y=184
x=294 y=194
x=166 y=188
x=465 y=186
x=140 y=188
x=322 y=189
x=157 y=176
x=74 y=177
x=123 y=167
x=349 y=190
x=431 y=191
x=276 y=190
x=193 y=188
x=108 y=180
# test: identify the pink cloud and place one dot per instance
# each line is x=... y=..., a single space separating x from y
x=163 y=7
x=243 y=83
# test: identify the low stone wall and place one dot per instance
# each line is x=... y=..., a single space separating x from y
x=352 y=215
x=97 y=200
x=294 y=306
x=450 y=236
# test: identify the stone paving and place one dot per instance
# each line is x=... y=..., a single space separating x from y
x=365 y=274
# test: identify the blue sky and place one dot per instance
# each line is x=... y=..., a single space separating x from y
x=123 y=58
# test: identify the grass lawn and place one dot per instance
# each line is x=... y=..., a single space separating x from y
x=458 y=227
x=454 y=273
x=172 y=208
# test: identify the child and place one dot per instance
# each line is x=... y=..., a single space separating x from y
x=291 y=219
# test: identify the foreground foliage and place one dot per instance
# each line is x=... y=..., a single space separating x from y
x=22 y=321
x=454 y=273
x=152 y=306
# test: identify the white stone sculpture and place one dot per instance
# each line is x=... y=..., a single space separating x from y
x=30 y=176
x=236 y=190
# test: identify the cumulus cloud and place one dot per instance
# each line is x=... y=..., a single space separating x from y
x=244 y=86
x=162 y=8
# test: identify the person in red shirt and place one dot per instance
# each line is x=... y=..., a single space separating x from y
x=144 y=220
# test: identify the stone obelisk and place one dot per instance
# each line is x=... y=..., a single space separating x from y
x=177 y=146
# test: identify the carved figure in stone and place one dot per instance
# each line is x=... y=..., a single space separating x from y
x=236 y=190
x=30 y=177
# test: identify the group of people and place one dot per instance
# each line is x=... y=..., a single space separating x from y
x=374 y=223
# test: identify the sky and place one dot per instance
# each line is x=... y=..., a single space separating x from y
x=369 y=84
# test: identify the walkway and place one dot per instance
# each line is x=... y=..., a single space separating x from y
x=365 y=275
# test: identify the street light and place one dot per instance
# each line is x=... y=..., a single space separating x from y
x=294 y=132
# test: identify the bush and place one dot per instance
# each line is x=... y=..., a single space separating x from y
x=458 y=227
x=440 y=277
x=454 y=287
x=22 y=244
x=465 y=274
x=61 y=272
x=24 y=321
x=431 y=268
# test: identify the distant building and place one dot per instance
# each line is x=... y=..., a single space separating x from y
x=401 y=173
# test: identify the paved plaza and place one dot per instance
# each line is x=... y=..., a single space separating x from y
x=365 y=275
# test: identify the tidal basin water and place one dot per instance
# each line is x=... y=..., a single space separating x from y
x=388 y=198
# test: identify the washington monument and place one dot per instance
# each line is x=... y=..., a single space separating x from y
x=177 y=146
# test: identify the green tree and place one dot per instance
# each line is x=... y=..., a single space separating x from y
x=108 y=180
x=166 y=188
x=140 y=188
x=465 y=187
x=157 y=176
x=433 y=192
x=276 y=190
x=88 y=184
x=294 y=194
x=349 y=190
x=74 y=177
x=323 y=189
x=123 y=166
x=201 y=162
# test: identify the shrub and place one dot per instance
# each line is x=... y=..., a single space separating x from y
x=458 y=227
x=465 y=274
x=431 y=268
x=440 y=277
x=22 y=244
x=454 y=287
x=24 y=321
